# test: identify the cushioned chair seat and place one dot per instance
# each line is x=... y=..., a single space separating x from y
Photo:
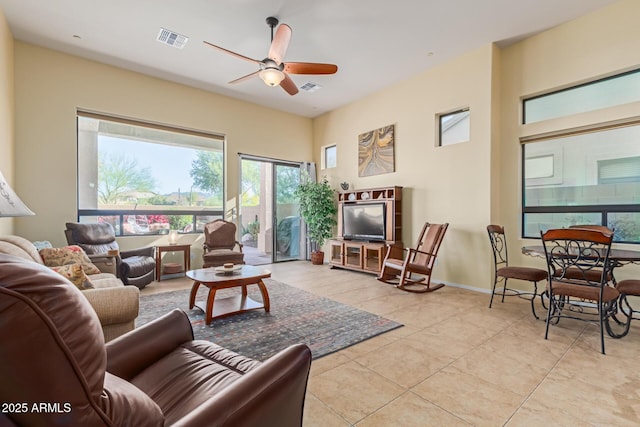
x=522 y=273
x=218 y=257
x=194 y=371
x=629 y=287
x=585 y=292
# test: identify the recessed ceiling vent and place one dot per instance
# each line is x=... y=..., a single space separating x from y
x=310 y=87
x=172 y=38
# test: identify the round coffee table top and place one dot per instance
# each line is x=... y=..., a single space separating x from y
x=210 y=274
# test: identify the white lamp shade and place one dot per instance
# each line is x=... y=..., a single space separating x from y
x=271 y=76
x=10 y=203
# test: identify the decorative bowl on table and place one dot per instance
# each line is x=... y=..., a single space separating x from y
x=227 y=269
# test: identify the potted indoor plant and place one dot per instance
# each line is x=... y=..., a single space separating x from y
x=318 y=209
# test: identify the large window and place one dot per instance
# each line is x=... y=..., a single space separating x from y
x=587 y=178
x=146 y=178
x=588 y=174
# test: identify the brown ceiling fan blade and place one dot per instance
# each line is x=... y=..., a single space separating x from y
x=280 y=43
x=243 y=78
x=309 y=68
x=237 y=55
x=289 y=86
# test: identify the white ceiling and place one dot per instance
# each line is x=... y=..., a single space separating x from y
x=375 y=43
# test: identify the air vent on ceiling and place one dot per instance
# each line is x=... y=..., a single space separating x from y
x=172 y=38
x=310 y=87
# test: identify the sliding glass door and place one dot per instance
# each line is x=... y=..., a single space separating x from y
x=269 y=211
x=287 y=212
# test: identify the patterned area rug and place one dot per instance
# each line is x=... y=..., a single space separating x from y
x=326 y=326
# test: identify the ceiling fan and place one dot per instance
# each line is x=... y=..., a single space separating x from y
x=273 y=70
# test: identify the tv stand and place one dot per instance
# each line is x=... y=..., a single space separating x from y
x=357 y=255
x=361 y=255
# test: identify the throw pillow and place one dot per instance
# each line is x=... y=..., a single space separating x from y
x=76 y=275
x=55 y=257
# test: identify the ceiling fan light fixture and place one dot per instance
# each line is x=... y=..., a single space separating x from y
x=271 y=76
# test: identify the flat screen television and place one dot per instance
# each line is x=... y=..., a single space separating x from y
x=363 y=221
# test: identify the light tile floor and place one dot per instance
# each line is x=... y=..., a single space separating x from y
x=458 y=363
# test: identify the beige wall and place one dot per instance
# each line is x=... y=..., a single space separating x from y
x=468 y=185
x=599 y=44
x=473 y=184
x=441 y=184
x=6 y=112
x=50 y=86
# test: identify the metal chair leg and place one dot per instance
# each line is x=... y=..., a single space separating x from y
x=493 y=291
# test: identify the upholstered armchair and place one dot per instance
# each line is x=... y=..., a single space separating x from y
x=155 y=375
x=134 y=267
x=116 y=305
x=220 y=243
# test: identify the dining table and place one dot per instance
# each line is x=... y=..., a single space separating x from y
x=618 y=257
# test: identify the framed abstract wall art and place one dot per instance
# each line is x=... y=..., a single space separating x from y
x=376 y=151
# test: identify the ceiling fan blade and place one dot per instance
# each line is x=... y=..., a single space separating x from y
x=237 y=55
x=280 y=43
x=309 y=68
x=288 y=85
x=243 y=78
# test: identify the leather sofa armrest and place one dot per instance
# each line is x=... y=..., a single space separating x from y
x=147 y=251
x=134 y=351
x=105 y=263
x=272 y=394
x=114 y=305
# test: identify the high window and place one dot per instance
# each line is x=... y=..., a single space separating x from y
x=147 y=178
x=329 y=156
x=608 y=92
x=454 y=127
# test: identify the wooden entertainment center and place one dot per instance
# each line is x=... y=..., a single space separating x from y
x=362 y=254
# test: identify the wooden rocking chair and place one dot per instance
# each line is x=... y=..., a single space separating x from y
x=408 y=261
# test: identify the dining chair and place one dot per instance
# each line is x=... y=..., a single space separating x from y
x=618 y=328
x=503 y=271
x=401 y=264
x=572 y=254
x=596 y=227
x=603 y=228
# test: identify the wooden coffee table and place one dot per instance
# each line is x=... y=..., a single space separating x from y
x=214 y=280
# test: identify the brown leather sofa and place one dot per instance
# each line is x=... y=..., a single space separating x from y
x=134 y=267
x=53 y=353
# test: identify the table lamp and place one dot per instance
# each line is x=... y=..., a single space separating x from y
x=10 y=203
x=173 y=237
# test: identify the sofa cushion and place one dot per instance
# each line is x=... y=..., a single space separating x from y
x=75 y=274
x=56 y=257
x=105 y=280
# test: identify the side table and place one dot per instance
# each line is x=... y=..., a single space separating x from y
x=185 y=249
